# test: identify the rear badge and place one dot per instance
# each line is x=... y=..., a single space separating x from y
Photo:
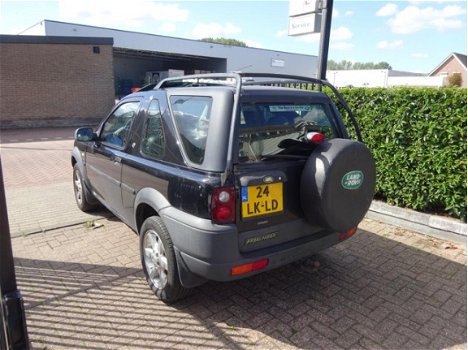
x=352 y=180
x=268 y=179
x=260 y=238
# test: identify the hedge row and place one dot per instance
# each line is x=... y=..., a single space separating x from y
x=418 y=139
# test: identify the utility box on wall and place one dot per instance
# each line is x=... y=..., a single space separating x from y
x=154 y=77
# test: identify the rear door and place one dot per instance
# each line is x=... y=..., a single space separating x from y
x=272 y=154
x=104 y=156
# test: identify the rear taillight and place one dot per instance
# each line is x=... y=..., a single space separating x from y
x=223 y=205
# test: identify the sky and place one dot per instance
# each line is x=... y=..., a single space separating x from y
x=414 y=35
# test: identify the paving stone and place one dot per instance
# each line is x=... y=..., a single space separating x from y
x=343 y=324
x=367 y=343
x=323 y=343
x=386 y=327
x=414 y=336
x=379 y=314
x=369 y=333
x=349 y=339
x=442 y=342
x=303 y=338
x=394 y=341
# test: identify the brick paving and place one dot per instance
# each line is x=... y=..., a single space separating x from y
x=385 y=288
x=38 y=208
x=38 y=180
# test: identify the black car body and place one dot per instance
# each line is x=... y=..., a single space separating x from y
x=224 y=176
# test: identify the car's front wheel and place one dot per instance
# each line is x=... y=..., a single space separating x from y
x=82 y=195
x=159 y=261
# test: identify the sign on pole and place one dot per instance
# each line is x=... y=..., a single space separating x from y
x=313 y=16
x=302 y=7
x=305 y=24
x=305 y=17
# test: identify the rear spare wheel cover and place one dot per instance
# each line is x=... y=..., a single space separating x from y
x=337 y=184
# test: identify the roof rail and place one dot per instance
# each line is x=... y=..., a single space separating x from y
x=196 y=80
x=238 y=79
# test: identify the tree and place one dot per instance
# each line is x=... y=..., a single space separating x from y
x=225 y=41
x=347 y=65
x=454 y=80
x=383 y=65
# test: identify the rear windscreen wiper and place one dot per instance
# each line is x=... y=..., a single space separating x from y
x=285 y=156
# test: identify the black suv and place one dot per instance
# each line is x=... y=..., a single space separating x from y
x=225 y=175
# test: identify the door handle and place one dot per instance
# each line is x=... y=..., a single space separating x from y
x=116 y=160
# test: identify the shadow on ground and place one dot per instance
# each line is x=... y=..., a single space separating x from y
x=369 y=292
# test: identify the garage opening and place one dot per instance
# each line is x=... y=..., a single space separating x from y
x=134 y=69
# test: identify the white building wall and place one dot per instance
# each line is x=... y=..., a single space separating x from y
x=238 y=58
x=437 y=81
x=358 y=78
x=380 y=78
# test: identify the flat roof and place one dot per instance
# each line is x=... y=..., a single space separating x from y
x=45 y=21
x=38 y=39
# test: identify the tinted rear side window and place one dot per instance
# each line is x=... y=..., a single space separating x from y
x=192 y=117
x=153 y=142
x=263 y=126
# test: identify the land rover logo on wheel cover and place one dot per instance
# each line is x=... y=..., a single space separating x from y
x=352 y=180
x=268 y=179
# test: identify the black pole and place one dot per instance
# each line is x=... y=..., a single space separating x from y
x=327 y=12
x=13 y=323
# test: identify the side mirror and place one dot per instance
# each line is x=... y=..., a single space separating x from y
x=85 y=135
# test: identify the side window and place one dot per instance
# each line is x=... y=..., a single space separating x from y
x=192 y=116
x=117 y=127
x=153 y=141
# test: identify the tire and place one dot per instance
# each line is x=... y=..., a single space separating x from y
x=84 y=199
x=337 y=184
x=159 y=261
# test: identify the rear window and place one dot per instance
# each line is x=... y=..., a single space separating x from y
x=192 y=117
x=263 y=127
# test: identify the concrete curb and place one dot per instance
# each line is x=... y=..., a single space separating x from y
x=431 y=225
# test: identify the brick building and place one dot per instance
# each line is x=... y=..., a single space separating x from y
x=454 y=63
x=58 y=73
x=55 y=81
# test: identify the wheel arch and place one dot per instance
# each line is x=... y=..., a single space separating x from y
x=148 y=202
x=77 y=159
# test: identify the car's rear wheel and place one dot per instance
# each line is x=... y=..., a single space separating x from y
x=82 y=195
x=159 y=261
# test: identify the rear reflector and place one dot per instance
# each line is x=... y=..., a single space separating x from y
x=246 y=268
x=348 y=233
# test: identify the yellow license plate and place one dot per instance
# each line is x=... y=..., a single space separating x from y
x=262 y=199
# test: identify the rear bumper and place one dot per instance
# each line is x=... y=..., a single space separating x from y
x=210 y=251
x=282 y=255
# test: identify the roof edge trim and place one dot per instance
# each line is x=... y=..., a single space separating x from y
x=38 y=39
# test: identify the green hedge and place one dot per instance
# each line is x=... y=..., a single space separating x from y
x=418 y=139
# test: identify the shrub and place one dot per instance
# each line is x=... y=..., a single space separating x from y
x=418 y=139
x=454 y=80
